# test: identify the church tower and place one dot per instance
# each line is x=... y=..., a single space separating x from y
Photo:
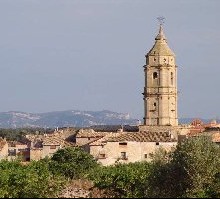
x=160 y=91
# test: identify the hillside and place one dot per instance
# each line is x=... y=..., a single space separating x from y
x=69 y=118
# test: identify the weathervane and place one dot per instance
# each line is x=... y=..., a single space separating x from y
x=161 y=20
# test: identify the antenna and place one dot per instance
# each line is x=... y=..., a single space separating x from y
x=161 y=20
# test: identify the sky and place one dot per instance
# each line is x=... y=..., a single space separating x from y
x=60 y=55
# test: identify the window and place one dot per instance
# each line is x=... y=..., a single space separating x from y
x=123 y=156
x=171 y=75
x=102 y=156
x=52 y=147
x=155 y=76
x=12 y=152
x=145 y=155
x=157 y=143
x=155 y=104
x=22 y=150
x=123 y=143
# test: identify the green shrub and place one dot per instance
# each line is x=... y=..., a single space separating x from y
x=31 y=181
x=72 y=162
x=122 y=180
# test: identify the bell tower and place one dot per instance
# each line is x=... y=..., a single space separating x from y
x=160 y=91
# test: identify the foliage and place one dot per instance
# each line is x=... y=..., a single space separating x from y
x=198 y=162
x=122 y=180
x=72 y=162
x=28 y=181
x=18 y=133
x=161 y=156
x=193 y=171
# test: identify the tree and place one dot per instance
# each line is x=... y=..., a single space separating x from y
x=28 y=181
x=197 y=160
x=72 y=162
x=122 y=180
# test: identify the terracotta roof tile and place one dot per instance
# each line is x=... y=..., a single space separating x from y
x=55 y=140
x=144 y=136
x=90 y=133
x=103 y=140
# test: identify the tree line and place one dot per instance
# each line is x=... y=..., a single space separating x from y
x=18 y=133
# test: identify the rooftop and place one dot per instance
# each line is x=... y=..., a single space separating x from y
x=161 y=47
x=143 y=136
x=90 y=133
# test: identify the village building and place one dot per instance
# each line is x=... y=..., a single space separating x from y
x=36 y=147
x=125 y=147
x=199 y=128
x=87 y=136
x=18 y=150
x=46 y=145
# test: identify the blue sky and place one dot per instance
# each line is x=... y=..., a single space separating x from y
x=88 y=55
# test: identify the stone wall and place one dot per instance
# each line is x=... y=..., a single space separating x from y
x=3 y=150
x=49 y=150
x=80 y=141
x=135 y=151
x=36 y=154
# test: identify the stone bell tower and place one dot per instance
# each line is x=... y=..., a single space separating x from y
x=160 y=91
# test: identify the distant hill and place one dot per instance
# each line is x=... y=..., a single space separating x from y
x=70 y=118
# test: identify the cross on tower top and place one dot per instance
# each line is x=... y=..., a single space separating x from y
x=161 y=20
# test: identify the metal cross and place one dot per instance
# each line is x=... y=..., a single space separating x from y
x=161 y=20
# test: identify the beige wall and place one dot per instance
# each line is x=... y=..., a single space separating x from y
x=84 y=140
x=47 y=151
x=19 y=148
x=4 y=152
x=36 y=154
x=135 y=151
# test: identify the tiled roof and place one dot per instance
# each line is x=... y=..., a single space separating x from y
x=34 y=138
x=14 y=143
x=52 y=141
x=90 y=133
x=55 y=140
x=114 y=128
x=144 y=136
x=103 y=140
x=2 y=143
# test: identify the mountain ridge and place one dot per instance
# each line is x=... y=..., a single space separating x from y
x=69 y=118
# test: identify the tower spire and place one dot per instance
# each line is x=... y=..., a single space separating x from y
x=161 y=35
x=160 y=47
